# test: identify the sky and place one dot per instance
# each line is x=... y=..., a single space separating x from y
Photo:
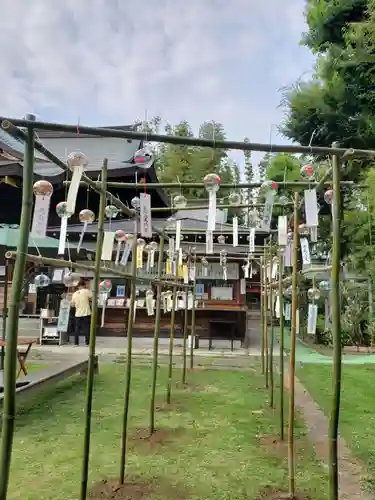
x=111 y=62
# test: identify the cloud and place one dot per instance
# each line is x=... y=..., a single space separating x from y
x=107 y=61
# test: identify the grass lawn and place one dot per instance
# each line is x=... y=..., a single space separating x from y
x=357 y=420
x=216 y=440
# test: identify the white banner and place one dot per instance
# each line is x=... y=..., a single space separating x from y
x=311 y=208
x=305 y=251
x=267 y=212
x=40 y=217
x=312 y=318
x=235 y=231
x=145 y=215
x=282 y=230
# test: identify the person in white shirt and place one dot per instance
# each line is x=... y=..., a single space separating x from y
x=81 y=301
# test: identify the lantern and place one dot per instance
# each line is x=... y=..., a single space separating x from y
x=111 y=211
x=211 y=183
x=120 y=235
x=179 y=201
x=143 y=157
x=221 y=239
x=41 y=280
x=328 y=196
x=136 y=203
x=234 y=199
x=43 y=188
x=303 y=230
x=86 y=216
x=283 y=200
x=313 y=294
x=71 y=279
x=62 y=210
x=105 y=286
x=307 y=170
x=324 y=286
x=77 y=160
x=43 y=191
x=268 y=186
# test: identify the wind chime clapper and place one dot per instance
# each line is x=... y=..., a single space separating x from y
x=62 y=263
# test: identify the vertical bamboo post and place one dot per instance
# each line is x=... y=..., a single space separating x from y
x=171 y=342
x=272 y=335
x=292 y=356
x=9 y=403
x=281 y=308
x=185 y=338
x=262 y=293
x=5 y=310
x=265 y=324
x=156 y=338
x=92 y=342
x=128 y=361
x=336 y=334
x=192 y=330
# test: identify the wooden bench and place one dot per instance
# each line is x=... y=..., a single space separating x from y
x=232 y=324
x=47 y=377
x=21 y=354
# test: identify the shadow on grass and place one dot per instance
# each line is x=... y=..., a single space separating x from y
x=41 y=406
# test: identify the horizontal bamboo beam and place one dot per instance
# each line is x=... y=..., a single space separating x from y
x=190 y=141
x=94 y=185
x=224 y=185
x=39 y=260
x=205 y=207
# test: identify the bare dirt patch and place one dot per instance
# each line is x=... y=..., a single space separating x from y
x=189 y=387
x=270 y=493
x=162 y=406
x=136 y=489
x=160 y=437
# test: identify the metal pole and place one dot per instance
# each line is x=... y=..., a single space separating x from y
x=184 y=141
x=10 y=371
x=156 y=339
x=336 y=334
x=292 y=356
x=92 y=343
x=128 y=363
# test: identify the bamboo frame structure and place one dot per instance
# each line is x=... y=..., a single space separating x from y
x=223 y=185
x=21 y=256
x=9 y=402
x=292 y=355
x=156 y=340
x=128 y=376
x=186 y=141
x=336 y=334
x=92 y=340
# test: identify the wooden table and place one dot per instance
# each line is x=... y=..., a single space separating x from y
x=226 y=322
x=21 y=353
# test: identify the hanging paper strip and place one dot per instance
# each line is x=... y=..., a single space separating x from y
x=313 y=234
x=185 y=274
x=282 y=230
x=150 y=304
x=246 y=271
x=235 y=231
x=139 y=257
x=40 y=217
x=103 y=298
x=190 y=300
x=225 y=273
x=178 y=234
x=252 y=240
x=311 y=208
x=288 y=255
x=274 y=270
x=145 y=215
x=267 y=212
x=171 y=247
x=297 y=321
x=108 y=245
x=148 y=262
x=168 y=268
x=126 y=253
x=71 y=199
x=326 y=315
x=312 y=317
x=63 y=233
x=211 y=221
x=118 y=250
x=152 y=258
x=84 y=229
x=209 y=242
x=169 y=302
x=288 y=311
x=305 y=251
x=192 y=272
x=277 y=307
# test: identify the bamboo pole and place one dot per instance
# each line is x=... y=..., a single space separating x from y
x=9 y=403
x=156 y=339
x=185 y=339
x=223 y=185
x=92 y=342
x=171 y=342
x=185 y=141
x=205 y=207
x=262 y=293
x=77 y=265
x=292 y=355
x=128 y=377
x=272 y=387
x=265 y=325
x=5 y=310
x=192 y=329
x=281 y=308
x=336 y=334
